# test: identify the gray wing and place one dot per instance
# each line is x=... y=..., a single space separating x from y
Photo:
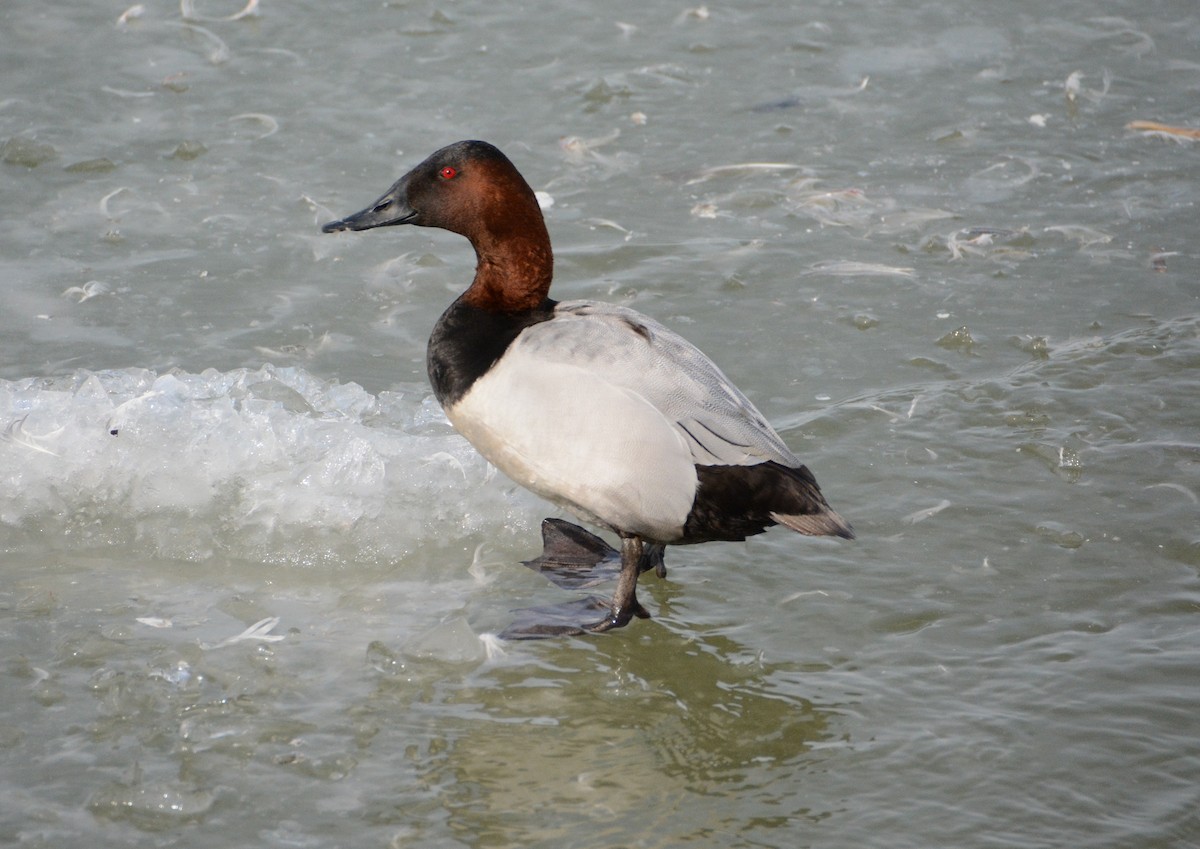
x=717 y=422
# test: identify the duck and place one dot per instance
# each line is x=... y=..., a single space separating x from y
x=595 y=407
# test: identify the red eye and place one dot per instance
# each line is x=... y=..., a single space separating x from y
x=447 y=173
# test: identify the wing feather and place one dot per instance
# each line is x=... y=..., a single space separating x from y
x=718 y=423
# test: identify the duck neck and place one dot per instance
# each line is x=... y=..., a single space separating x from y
x=513 y=269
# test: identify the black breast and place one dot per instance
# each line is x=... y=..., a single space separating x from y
x=467 y=341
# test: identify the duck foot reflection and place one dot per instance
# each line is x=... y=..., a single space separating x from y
x=570 y=618
x=574 y=558
x=554 y=620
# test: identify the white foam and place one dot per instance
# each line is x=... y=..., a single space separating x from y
x=271 y=464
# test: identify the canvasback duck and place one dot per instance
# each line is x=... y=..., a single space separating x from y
x=593 y=406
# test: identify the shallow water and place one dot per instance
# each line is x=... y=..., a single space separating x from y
x=250 y=574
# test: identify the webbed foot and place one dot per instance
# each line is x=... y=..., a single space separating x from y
x=574 y=558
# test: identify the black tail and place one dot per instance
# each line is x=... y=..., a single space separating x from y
x=734 y=502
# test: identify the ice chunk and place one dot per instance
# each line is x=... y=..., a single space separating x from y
x=269 y=463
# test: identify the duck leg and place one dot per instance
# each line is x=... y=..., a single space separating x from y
x=577 y=559
x=625 y=605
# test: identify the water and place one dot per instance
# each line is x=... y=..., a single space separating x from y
x=250 y=574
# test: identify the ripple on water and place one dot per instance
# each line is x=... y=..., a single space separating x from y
x=153 y=806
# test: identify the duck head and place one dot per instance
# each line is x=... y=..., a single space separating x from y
x=469 y=188
x=472 y=189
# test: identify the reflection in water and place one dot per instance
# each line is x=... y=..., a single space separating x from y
x=592 y=746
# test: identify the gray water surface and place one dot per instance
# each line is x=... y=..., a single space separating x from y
x=250 y=575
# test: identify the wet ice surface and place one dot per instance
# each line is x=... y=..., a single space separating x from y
x=926 y=242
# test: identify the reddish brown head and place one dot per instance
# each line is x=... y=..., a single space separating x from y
x=471 y=188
